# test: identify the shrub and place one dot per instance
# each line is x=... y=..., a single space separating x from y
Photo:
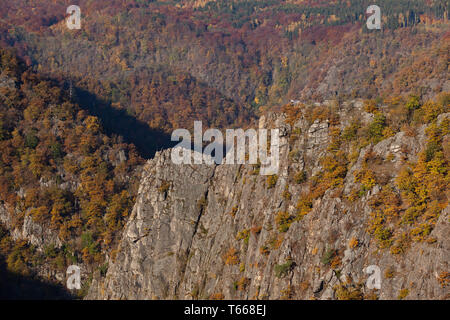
x=335 y=262
x=304 y=206
x=283 y=220
x=56 y=151
x=379 y=230
x=287 y=293
x=413 y=103
x=233 y=211
x=293 y=113
x=281 y=270
x=367 y=179
x=353 y=243
x=383 y=235
x=286 y=194
x=103 y=269
x=300 y=177
x=421 y=232
x=243 y=283
x=195 y=292
x=390 y=156
x=231 y=257
x=272 y=181
x=350 y=132
x=165 y=185
x=422 y=185
x=401 y=244
x=50 y=251
x=295 y=155
x=328 y=256
x=264 y=250
x=370 y=106
x=334 y=172
x=376 y=128
x=217 y=296
x=403 y=294
x=243 y=235
x=31 y=140
x=18 y=260
x=389 y=273
x=276 y=241
x=256 y=230
x=344 y=292
x=444 y=279
x=88 y=242
x=432 y=110
x=371 y=295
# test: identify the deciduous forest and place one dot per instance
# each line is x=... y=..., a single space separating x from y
x=81 y=110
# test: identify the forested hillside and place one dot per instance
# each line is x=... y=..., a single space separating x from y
x=58 y=167
x=169 y=62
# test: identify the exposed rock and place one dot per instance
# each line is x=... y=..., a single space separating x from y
x=214 y=229
x=35 y=233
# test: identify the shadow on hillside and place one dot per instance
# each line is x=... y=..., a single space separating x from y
x=147 y=140
x=18 y=287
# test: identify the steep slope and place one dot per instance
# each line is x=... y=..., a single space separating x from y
x=66 y=187
x=72 y=143
x=214 y=232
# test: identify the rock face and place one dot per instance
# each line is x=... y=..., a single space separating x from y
x=209 y=231
x=34 y=233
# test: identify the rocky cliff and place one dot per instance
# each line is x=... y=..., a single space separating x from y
x=224 y=231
